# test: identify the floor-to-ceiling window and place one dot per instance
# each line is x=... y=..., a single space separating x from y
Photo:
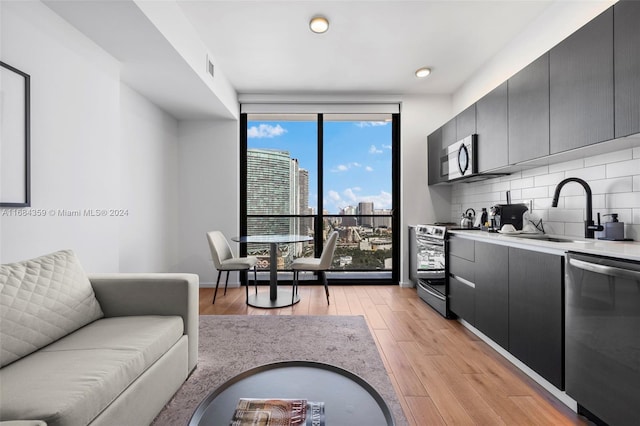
x=312 y=174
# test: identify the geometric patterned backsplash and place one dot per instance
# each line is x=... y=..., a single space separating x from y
x=614 y=179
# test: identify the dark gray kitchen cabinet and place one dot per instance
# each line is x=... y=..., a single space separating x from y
x=435 y=165
x=626 y=59
x=492 y=291
x=581 y=86
x=491 y=124
x=461 y=278
x=462 y=300
x=536 y=320
x=462 y=248
x=466 y=122
x=529 y=112
x=449 y=134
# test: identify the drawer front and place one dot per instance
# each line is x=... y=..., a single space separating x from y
x=461 y=247
x=462 y=300
x=462 y=268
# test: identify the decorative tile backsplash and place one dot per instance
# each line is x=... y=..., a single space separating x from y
x=614 y=179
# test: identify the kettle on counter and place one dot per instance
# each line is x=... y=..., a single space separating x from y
x=466 y=221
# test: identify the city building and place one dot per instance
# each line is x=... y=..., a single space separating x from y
x=366 y=208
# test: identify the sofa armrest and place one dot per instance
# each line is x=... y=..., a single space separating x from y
x=152 y=294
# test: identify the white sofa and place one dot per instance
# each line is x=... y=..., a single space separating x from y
x=106 y=349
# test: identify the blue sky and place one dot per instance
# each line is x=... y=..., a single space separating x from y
x=357 y=158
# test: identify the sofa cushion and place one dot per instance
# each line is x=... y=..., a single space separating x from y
x=42 y=300
x=72 y=380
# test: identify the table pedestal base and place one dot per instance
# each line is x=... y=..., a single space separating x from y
x=263 y=299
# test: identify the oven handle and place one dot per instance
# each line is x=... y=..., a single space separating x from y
x=605 y=270
x=433 y=293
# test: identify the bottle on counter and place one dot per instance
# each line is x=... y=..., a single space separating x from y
x=484 y=220
x=613 y=230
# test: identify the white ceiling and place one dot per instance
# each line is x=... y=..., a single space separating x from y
x=371 y=47
x=264 y=47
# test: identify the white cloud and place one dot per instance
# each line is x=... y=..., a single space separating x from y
x=333 y=195
x=345 y=167
x=371 y=123
x=265 y=131
x=380 y=201
x=369 y=168
x=356 y=188
x=349 y=194
x=386 y=146
x=374 y=150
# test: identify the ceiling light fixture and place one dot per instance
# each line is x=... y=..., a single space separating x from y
x=423 y=72
x=319 y=24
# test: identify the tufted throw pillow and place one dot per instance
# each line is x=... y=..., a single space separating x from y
x=42 y=300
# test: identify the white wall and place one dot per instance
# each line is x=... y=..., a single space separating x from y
x=149 y=185
x=614 y=179
x=75 y=150
x=95 y=144
x=421 y=203
x=209 y=192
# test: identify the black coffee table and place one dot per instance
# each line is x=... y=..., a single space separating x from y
x=349 y=399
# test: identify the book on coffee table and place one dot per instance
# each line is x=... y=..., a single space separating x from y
x=278 y=412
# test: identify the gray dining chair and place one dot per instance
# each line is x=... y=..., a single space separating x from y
x=224 y=260
x=316 y=264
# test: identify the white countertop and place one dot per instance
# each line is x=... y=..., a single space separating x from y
x=621 y=249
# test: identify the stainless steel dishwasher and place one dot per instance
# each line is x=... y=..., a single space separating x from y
x=602 y=335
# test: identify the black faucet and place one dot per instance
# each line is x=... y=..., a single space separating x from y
x=589 y=226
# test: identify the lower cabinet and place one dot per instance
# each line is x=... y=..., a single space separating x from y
x=516 y=298
x=462 y=300
x=536 y=320
x=461 y=278
x=492 y=292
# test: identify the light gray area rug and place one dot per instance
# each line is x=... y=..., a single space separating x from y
x=232 y=344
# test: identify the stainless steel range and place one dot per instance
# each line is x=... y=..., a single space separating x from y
x=427 y=265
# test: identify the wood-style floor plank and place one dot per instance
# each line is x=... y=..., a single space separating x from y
x=443 y=374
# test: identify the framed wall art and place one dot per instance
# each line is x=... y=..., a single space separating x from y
x=15 y=173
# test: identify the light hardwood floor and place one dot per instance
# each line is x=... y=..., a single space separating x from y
x=443 y=374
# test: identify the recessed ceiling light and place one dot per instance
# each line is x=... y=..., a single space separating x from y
x=319 y=24
x=423 y=72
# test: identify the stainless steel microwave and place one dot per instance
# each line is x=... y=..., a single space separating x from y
x=462 y=157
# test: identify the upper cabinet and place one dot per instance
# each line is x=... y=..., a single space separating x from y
x=434 y=147
x=449 y=135
x=583 y=91
x=581 y=86
x=529 y=112
x=491 y=122
x=466 y=123
x=626 y=60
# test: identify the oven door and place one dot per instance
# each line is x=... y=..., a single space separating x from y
x=430 y=258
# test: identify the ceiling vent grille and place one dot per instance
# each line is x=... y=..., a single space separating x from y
x=210 y=67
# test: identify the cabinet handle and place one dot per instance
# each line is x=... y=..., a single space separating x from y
x=604 y=269
x=463 y=281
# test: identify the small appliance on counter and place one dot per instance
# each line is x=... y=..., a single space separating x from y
x=467 y=219
x=501 y=214
x=614 y=230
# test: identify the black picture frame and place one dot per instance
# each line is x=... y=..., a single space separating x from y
x=15 y=143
